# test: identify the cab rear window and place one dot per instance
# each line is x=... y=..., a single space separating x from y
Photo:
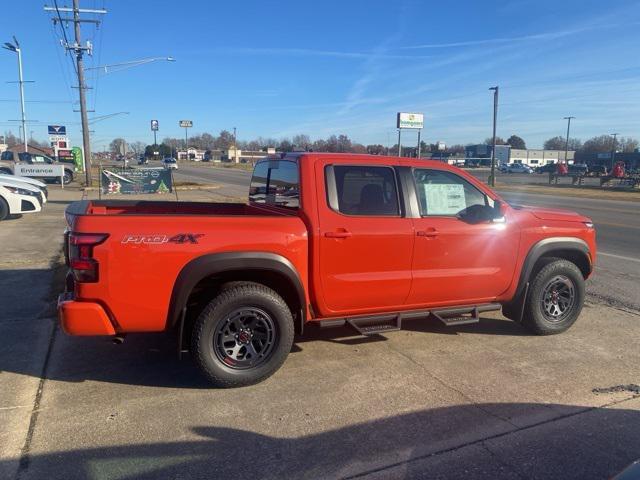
x=277 y=183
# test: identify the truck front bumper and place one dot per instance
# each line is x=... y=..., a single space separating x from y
x=83 y=318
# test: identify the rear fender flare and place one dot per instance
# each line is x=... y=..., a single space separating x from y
x=201 y=267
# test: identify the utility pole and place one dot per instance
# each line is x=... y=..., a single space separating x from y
x=492 y=178
x=613 y=153
x=78 y=50
x=566 y=145
x=399 y=143
x=235 y=146
x=15 y=47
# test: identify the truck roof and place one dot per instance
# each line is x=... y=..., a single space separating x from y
x=363 y=157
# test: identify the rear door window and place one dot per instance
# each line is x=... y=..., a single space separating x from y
x=366 y=190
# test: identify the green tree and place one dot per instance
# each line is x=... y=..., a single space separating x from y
x=516 y=142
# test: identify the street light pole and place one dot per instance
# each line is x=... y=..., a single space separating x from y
x=15 y=47
x=492 y=178
x=566 y=145
x=235 y=145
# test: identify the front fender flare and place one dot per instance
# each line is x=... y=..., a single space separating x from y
x=545 y=246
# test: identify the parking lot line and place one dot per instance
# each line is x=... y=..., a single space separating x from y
x=621 y=257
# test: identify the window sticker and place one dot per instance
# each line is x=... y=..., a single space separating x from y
x=444 y=199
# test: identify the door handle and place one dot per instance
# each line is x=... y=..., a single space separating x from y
x=338 y=234
x=431 y=232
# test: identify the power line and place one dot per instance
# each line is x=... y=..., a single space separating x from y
x=78 y=49
x=64 y=31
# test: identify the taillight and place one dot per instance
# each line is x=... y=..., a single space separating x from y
x=81 y=261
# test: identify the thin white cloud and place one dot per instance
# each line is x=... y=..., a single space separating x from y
x=312 y=52
x=524 y=38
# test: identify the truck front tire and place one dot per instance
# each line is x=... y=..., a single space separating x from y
x=555 y=298
x=243 y=335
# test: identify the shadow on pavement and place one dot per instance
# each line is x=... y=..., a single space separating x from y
x=578 y=443
x=151 y=359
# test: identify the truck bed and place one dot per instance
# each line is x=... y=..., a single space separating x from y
x=128 y=207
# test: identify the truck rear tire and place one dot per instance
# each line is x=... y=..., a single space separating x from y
x=242 y=336
x=555 y=299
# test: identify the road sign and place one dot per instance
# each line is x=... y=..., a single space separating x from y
x=186 y=123
x=154 y=125
x=57 y=129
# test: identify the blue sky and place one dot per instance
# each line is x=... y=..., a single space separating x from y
x=274 y=69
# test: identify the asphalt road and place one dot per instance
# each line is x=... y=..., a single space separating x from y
x=617 y=278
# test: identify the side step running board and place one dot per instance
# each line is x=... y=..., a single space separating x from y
x=376 y=324
x=457 y=318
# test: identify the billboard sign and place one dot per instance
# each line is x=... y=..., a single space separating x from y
x=136 y=181
x=410 y=120
x=154 y=125
x=57 y=138
x=186 y=123
x=57 y=130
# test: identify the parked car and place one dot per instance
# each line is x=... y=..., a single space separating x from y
x=170 y=163
x=28 y=180
x=518 y=168
x=367 y=242
x=578 y=169
x=8 y=159
x=17 y=198
x=17 y=182
x=598 y=171
x=548 y=168
x=503 y=167
x=142 y=160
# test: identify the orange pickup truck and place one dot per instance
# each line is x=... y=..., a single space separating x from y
x=327 y=240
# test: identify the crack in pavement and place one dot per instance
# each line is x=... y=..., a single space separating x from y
x=25 y=457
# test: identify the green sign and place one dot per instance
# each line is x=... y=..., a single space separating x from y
x=78 y=159
x=136 y=181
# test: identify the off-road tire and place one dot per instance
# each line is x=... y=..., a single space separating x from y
x=4 y=209
x=536 y=316
x=214 y=320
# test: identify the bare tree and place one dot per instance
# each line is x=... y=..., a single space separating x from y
x=558 y=143
x=118 y=146
x=137 y=147
x=301 y=142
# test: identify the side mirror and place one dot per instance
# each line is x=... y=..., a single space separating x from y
x=498 y=212
x=483 y=213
